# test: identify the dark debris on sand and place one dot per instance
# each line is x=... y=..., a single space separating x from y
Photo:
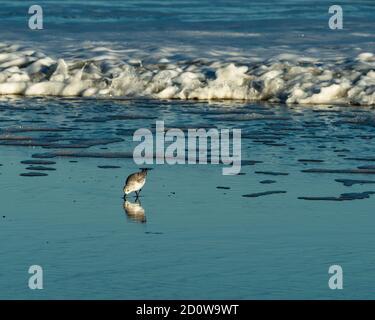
x=250 y=162
x=351 y=182
x=38 y=162
x=267 y=181
x=350 y=171
x=311 y=160
x=342 y=197
x=40 y=168
x=109 y=167
x=260 y=194
x=33 y=174
x=272 y=173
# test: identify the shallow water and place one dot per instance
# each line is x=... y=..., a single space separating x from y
x=303 y=201
x=198 y=241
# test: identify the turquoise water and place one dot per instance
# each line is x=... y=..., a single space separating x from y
x=195 y=241
x=198 y=241
x=158 y=11
x=191 y=24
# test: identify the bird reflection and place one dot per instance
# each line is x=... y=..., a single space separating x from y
x=134 y=211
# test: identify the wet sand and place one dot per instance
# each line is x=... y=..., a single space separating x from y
x=62 y=202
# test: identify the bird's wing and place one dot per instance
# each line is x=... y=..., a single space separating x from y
x=130 y=178
x=139 y=177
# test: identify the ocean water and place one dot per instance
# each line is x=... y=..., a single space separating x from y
x=74 y=93
x=198 y=241
x=191 y=50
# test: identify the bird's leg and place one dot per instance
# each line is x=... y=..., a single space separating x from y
x=137 y=194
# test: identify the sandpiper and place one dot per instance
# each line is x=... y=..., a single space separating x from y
x=135 y=182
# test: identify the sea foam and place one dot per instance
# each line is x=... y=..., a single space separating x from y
x=286 y=78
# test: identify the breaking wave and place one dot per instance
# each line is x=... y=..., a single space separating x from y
x=286 y=78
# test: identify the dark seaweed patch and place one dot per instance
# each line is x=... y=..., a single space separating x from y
x=260 y=194
x=311 y=160
x=342 y=197
x=369 y=167
x=272 y=173
x=33 y=174
x=350 y=171
x=109 y=167
x=40 y=168
x=38 y=162
x=350 y=182
x=83 y=154
x=249 y=162
x=267 y=181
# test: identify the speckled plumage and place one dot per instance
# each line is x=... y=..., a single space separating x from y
x=135 y=182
